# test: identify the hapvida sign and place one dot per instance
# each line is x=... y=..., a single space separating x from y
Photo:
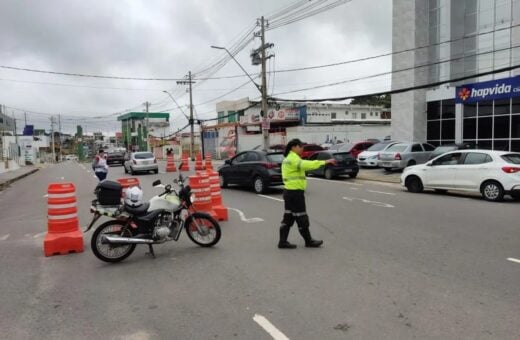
x=489 y=90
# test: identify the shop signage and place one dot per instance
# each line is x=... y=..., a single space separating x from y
x=488 y=90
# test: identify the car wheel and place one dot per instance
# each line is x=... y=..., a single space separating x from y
x=515 y=196
x=259 y=185
x=126 y=171
x=328 y=173
x=414 y=184
x=441 y=191
x=353 y=175
x=411 y=162
x=132 y=172
x=388 y=169
x=223 y=181
x=492 y=191
x=156 y=171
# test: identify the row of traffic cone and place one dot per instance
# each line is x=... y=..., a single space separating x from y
x=208 y=197
x=185 y=163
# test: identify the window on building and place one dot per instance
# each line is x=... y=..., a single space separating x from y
x=515 y=126
x=333 y=115
x=448 y=129
x=515 y=105
x=485 y=108
x=501 y=127
x=470 y=128
x=502 y=107
x=433 y=110
x=448 y=108
x=485 y=128
x=354 y=115
x=363 y=115
x=433 y=130
x=470 y=110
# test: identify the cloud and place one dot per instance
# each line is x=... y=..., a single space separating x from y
x=167 y=39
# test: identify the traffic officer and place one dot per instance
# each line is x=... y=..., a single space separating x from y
x=293 y=175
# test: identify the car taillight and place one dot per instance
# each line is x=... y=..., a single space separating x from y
x=510 y=169
x=269 y=165
x=397 y=157
x=134 y=161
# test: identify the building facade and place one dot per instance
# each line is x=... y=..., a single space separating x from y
x=445 y=40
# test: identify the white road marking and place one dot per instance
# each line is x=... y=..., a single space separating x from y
x=512 y=259
x=272 y=198
x=243 y=217
x=333 y=182
x=269 y=327
x=5 y=237
x=377 y=204
x=39 y=234
x=381 y=192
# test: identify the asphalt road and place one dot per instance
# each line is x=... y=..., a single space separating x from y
x=394 y=265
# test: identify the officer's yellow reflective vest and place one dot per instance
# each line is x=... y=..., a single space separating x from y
x=293 y=171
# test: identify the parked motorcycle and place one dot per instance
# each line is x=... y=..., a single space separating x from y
x=158 y=221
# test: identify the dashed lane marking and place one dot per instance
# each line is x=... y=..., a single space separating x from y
x=271 y=198
x=512 y=259
x=5 y=237
x=244 y=218
x=39 y=234
x=381 y=192
x=274 y=332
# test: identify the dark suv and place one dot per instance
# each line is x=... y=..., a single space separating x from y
x=255 y=168
x=115 y=157
x=345 y=164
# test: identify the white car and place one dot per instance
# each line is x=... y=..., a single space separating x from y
x=492 y=173
x=71 y=158
x=368 y=158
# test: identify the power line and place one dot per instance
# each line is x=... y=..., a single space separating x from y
x=405 y=89
x=394 y=71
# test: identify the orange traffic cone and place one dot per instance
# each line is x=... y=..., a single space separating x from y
x=63 y=235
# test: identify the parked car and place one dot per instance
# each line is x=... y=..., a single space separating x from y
x=449 y=147
x=255 y=168
x=346 y=164
x=401 y=155
x=354 y=148
x=71 y=158
x=115 y=157
x=492 y=173
x=368 y=158
x=140 y=162
x=277 y=147
x=309 y=149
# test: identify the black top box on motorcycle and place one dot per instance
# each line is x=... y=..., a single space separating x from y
x=109 y=193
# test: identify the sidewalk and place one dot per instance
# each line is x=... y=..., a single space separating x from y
x=9 y=177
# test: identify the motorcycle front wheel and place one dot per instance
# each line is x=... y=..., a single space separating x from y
x=111 y=252
x=203 y=230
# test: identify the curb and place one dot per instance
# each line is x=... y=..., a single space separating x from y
x=12 y=180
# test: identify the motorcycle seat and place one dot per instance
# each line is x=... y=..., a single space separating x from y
x=150 y=216
x=138 y=211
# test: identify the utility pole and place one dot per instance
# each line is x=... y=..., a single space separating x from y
x=147 y=107
x=59 y=138
x=192 y=128
x=25 y=116
x=265 y=123
x=52 y=140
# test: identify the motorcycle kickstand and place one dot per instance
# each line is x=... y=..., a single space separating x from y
x=151 y=250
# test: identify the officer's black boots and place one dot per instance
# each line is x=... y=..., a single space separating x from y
x=284 y=233
x=309 y=242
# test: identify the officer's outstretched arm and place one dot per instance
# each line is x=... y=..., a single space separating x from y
x=306 y=165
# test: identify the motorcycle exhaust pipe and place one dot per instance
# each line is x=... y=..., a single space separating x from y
x=124 y=240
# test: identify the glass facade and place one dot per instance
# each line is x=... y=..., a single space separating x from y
x=440 y=122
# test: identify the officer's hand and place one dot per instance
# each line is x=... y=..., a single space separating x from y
x=331 y=161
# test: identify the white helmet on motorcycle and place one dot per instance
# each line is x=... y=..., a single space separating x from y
x=134 y=196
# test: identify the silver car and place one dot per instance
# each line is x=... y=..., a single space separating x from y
x=140 y=162
x=401 y=155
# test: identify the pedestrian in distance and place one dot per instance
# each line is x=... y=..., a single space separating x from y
x=295 y=183
x=100 y=166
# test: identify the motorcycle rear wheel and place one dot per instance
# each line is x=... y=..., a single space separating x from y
x=210 y=230
x=111 y=252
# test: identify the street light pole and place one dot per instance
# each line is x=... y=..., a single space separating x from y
x=192 y=128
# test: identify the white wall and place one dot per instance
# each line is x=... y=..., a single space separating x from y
x=352 y=133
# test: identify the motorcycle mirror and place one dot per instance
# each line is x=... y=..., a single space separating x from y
x=156 y=183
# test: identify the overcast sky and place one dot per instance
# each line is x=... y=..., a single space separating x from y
x=166 y=39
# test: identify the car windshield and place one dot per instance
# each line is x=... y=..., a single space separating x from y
x=377 y=147
x=275 y=157
x=144 y=155
x=342 y=156
x=513 y=158
x=342 y=147
x=397 y=148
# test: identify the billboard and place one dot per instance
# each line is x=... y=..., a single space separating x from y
x=488 y=90
x=274 y=116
